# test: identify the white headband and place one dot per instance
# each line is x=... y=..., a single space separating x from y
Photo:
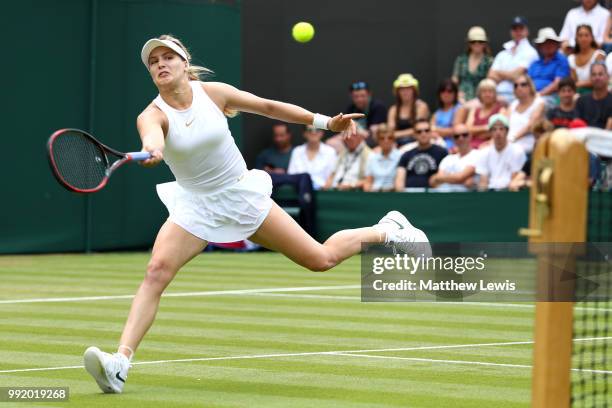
x=154 y=43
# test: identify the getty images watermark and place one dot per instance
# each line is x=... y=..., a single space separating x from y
x=487 y=272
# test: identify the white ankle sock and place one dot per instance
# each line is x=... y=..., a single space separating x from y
x=129 y=349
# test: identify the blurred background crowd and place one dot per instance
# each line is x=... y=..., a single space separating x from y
x=480 y=132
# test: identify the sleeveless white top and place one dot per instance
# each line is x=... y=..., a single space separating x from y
x=518 y=120
x=583 y=72
x=200 y=149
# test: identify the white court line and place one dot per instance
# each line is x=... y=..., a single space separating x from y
x=480 y=363
x=182 y=294
x=271 y=292
x=305 y=296
x=485 y=304
x=314 y=353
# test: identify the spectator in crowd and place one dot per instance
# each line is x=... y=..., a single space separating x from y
x=501 y=162
x=363 y=102
x=382 y=166
x=540 y=128
x=275 y=159
x=550 y=68
x=408 y=108
x=472 y=66
x=595 y=162
x=607 y=44
x=562 y=115
x=448 y=113
x=513 y=60
x=523 y=178
x=585 y=53
x=435 y=139
x=349 y=171
x=478 y=117
x=523 y=113
x=456 y=171
x=313 y=157
x=596 y=108
x=416 y=166
x=589 y=12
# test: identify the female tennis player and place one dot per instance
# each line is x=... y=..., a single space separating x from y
x=215 y=198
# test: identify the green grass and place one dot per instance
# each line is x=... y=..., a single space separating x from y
x=55 y=334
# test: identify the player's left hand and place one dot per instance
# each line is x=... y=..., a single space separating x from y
x=344 y=123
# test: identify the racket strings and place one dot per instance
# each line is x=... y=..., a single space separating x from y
x=79 y=161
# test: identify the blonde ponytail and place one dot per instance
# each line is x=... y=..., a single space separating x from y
x=195 y=72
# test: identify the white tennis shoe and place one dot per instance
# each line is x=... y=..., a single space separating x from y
x=402 y=236
x=109 y=370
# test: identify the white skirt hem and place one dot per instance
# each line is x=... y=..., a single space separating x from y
x=231 y=214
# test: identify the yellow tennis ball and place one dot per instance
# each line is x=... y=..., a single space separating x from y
x=303 y=32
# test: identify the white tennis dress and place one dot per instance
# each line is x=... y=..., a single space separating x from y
x=214 y=196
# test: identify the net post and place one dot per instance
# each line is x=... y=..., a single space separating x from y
x=562 y=221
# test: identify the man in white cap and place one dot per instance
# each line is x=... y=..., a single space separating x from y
x=501 y=162
x=589 y=12
x=513 y=60
x=551 y=67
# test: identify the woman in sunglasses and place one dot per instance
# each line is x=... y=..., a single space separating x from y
x=524 y=111
x=472 y=66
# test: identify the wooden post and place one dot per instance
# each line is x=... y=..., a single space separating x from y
x=565 y=221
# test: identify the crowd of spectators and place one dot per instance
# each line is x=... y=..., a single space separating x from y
x=487 y=118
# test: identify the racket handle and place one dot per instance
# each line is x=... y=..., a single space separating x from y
x=138 y=156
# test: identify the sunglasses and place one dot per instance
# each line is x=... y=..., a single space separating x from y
x=458 y=135
x=419 y=131
x=517 y=84
x=448 y=91
x=355 y=86
x=477 y=42
x=385 y=138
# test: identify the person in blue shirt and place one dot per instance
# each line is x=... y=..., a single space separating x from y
x=550 y=68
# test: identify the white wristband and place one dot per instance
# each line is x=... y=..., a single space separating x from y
x=320 y=121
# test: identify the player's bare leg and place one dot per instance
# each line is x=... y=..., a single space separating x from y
x=280 y=232
x=173 y=248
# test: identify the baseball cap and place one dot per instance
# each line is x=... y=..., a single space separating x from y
x=518 y=21
x=355 y=86
x=498 y=117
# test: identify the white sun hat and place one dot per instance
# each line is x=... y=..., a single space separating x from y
x=545 y=34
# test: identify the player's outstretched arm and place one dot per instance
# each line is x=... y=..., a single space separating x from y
x=149 y=125
x=235 y=99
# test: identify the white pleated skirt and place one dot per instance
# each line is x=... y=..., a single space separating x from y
x=231 y=214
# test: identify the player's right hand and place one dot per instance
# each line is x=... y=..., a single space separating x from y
x=156 y=157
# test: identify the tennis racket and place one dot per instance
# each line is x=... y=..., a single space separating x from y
x=82 y=164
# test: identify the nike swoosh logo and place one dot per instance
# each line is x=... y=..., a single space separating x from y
x=189 y=123
x=117 y=376
x=398 y=224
